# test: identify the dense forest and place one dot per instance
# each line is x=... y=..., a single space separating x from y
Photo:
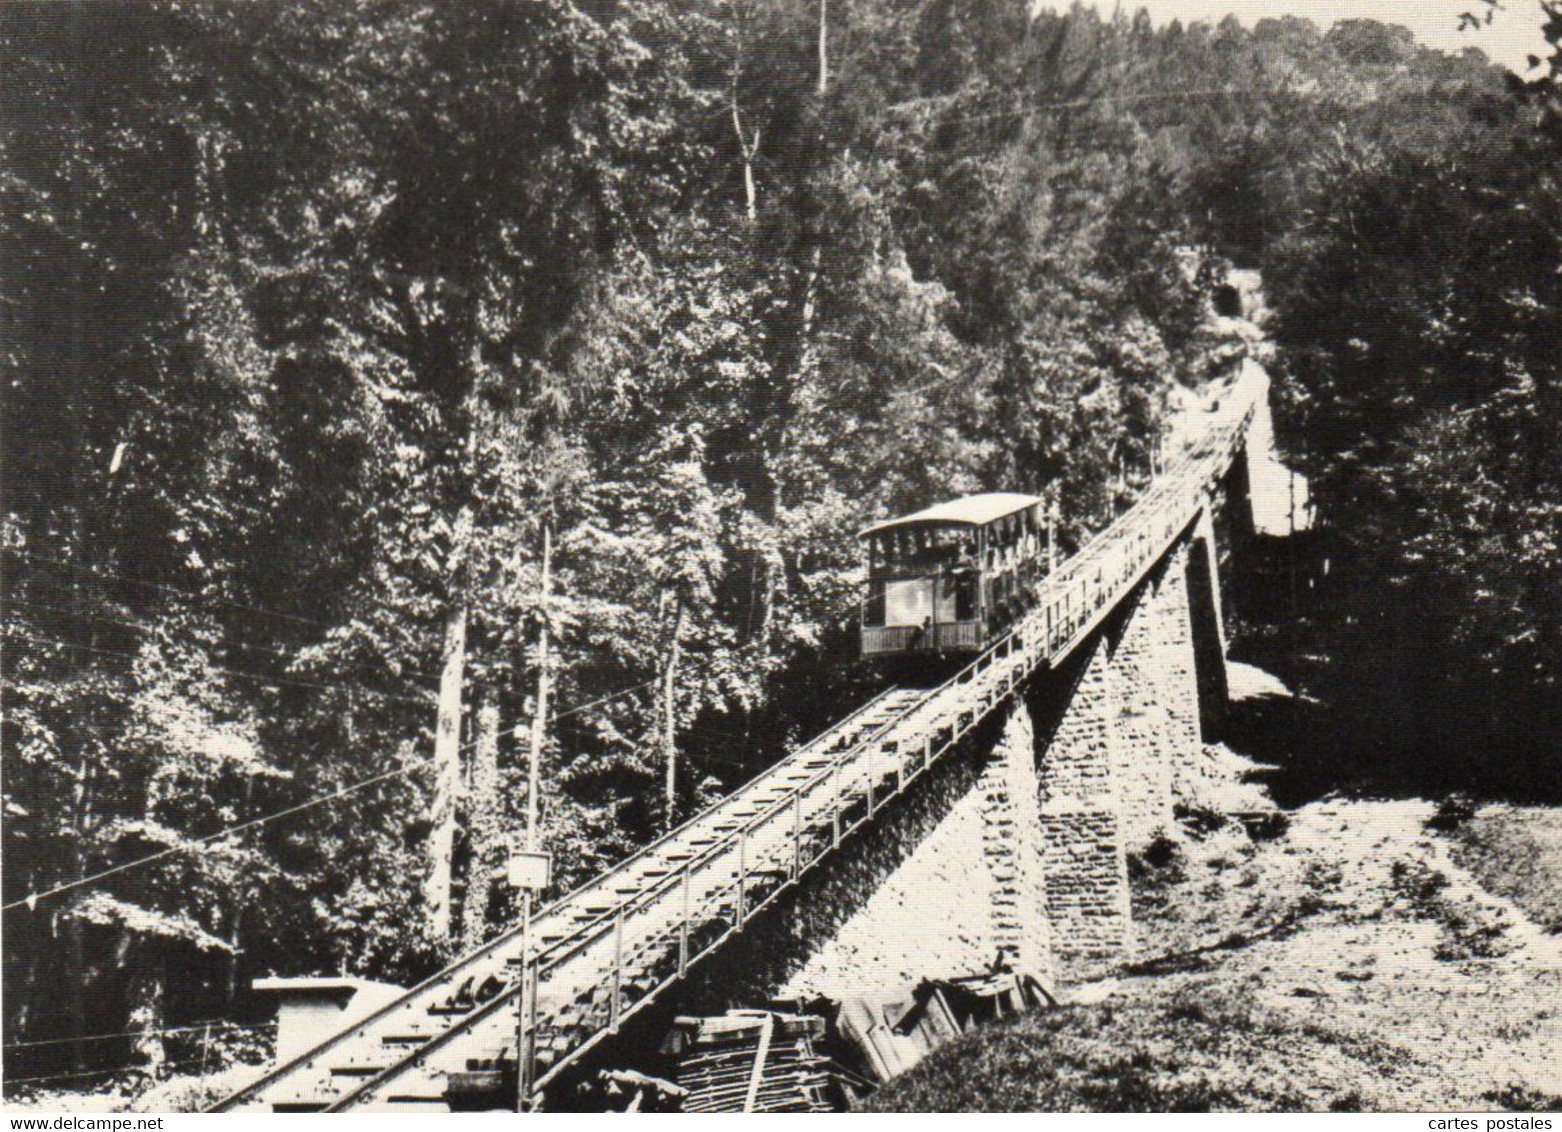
x=394 y=390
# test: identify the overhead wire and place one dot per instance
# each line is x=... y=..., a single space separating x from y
x=594 y=703
x=190 y=1028
x=279 y=681
x=1122 y=100
x=32 y=899
x=100 y=574
x=103 y=1072
x=144 y=627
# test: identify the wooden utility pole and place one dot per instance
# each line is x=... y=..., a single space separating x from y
x=824 y=50
x=1052 y=530
x=670 y=716
x=526 y=1021
x=544 y=687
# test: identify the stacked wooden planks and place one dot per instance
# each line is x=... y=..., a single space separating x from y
x=752 y=1061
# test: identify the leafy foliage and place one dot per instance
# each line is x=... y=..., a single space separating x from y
x=317 y=313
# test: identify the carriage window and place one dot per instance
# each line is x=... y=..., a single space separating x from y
x=873 y=608
x=965 y=597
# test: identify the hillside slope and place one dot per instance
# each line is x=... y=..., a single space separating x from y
x=1348 y=964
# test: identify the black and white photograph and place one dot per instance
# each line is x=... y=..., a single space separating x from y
x=781 y=556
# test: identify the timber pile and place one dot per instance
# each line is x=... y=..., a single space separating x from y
x=890 y=1036
x=752 y=1061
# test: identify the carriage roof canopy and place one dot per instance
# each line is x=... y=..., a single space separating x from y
x=968 y=511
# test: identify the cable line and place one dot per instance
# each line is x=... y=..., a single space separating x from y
x=106 y=1072
x=191 y=1028
x=143 y=627
x=101 y=574
x=1120 y=99
x=592 y=703
x=200 y=842
x=30 y=900
x=279 y=681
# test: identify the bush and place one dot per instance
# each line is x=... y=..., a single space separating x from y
x=1453 y=812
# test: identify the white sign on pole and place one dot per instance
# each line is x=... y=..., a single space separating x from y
x=530 y=870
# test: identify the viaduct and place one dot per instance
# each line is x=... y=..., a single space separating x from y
x=990 y=817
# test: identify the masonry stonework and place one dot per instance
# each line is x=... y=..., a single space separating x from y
x=1081 y=828
x=1141 y=735
x=1159 y=734
x=1207 y=620
x=808 y=940
x=1012 y=850
x=970 y=895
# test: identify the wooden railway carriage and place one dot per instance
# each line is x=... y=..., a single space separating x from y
x=947 y=578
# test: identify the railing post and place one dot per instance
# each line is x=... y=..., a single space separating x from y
x=526 y=1051
x=614 y=1005
x=835 y=808
x=683 y=929
x=797 y=835
x=743 y=877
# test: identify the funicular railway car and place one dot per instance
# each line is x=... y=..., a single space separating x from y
x=946 y=579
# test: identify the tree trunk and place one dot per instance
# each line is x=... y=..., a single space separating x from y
x=447 y=742
x=75 y=930
x=824 y=55
x=670 y=716
x=144 y=992
x=767 y=609
x=447 y=773
x=235 y=935
x=483 y=825
x=749 y=149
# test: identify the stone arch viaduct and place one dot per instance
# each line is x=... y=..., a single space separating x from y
x=988 y=818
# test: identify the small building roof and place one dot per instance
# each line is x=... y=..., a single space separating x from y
x=967 y=511
x=320 y=986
